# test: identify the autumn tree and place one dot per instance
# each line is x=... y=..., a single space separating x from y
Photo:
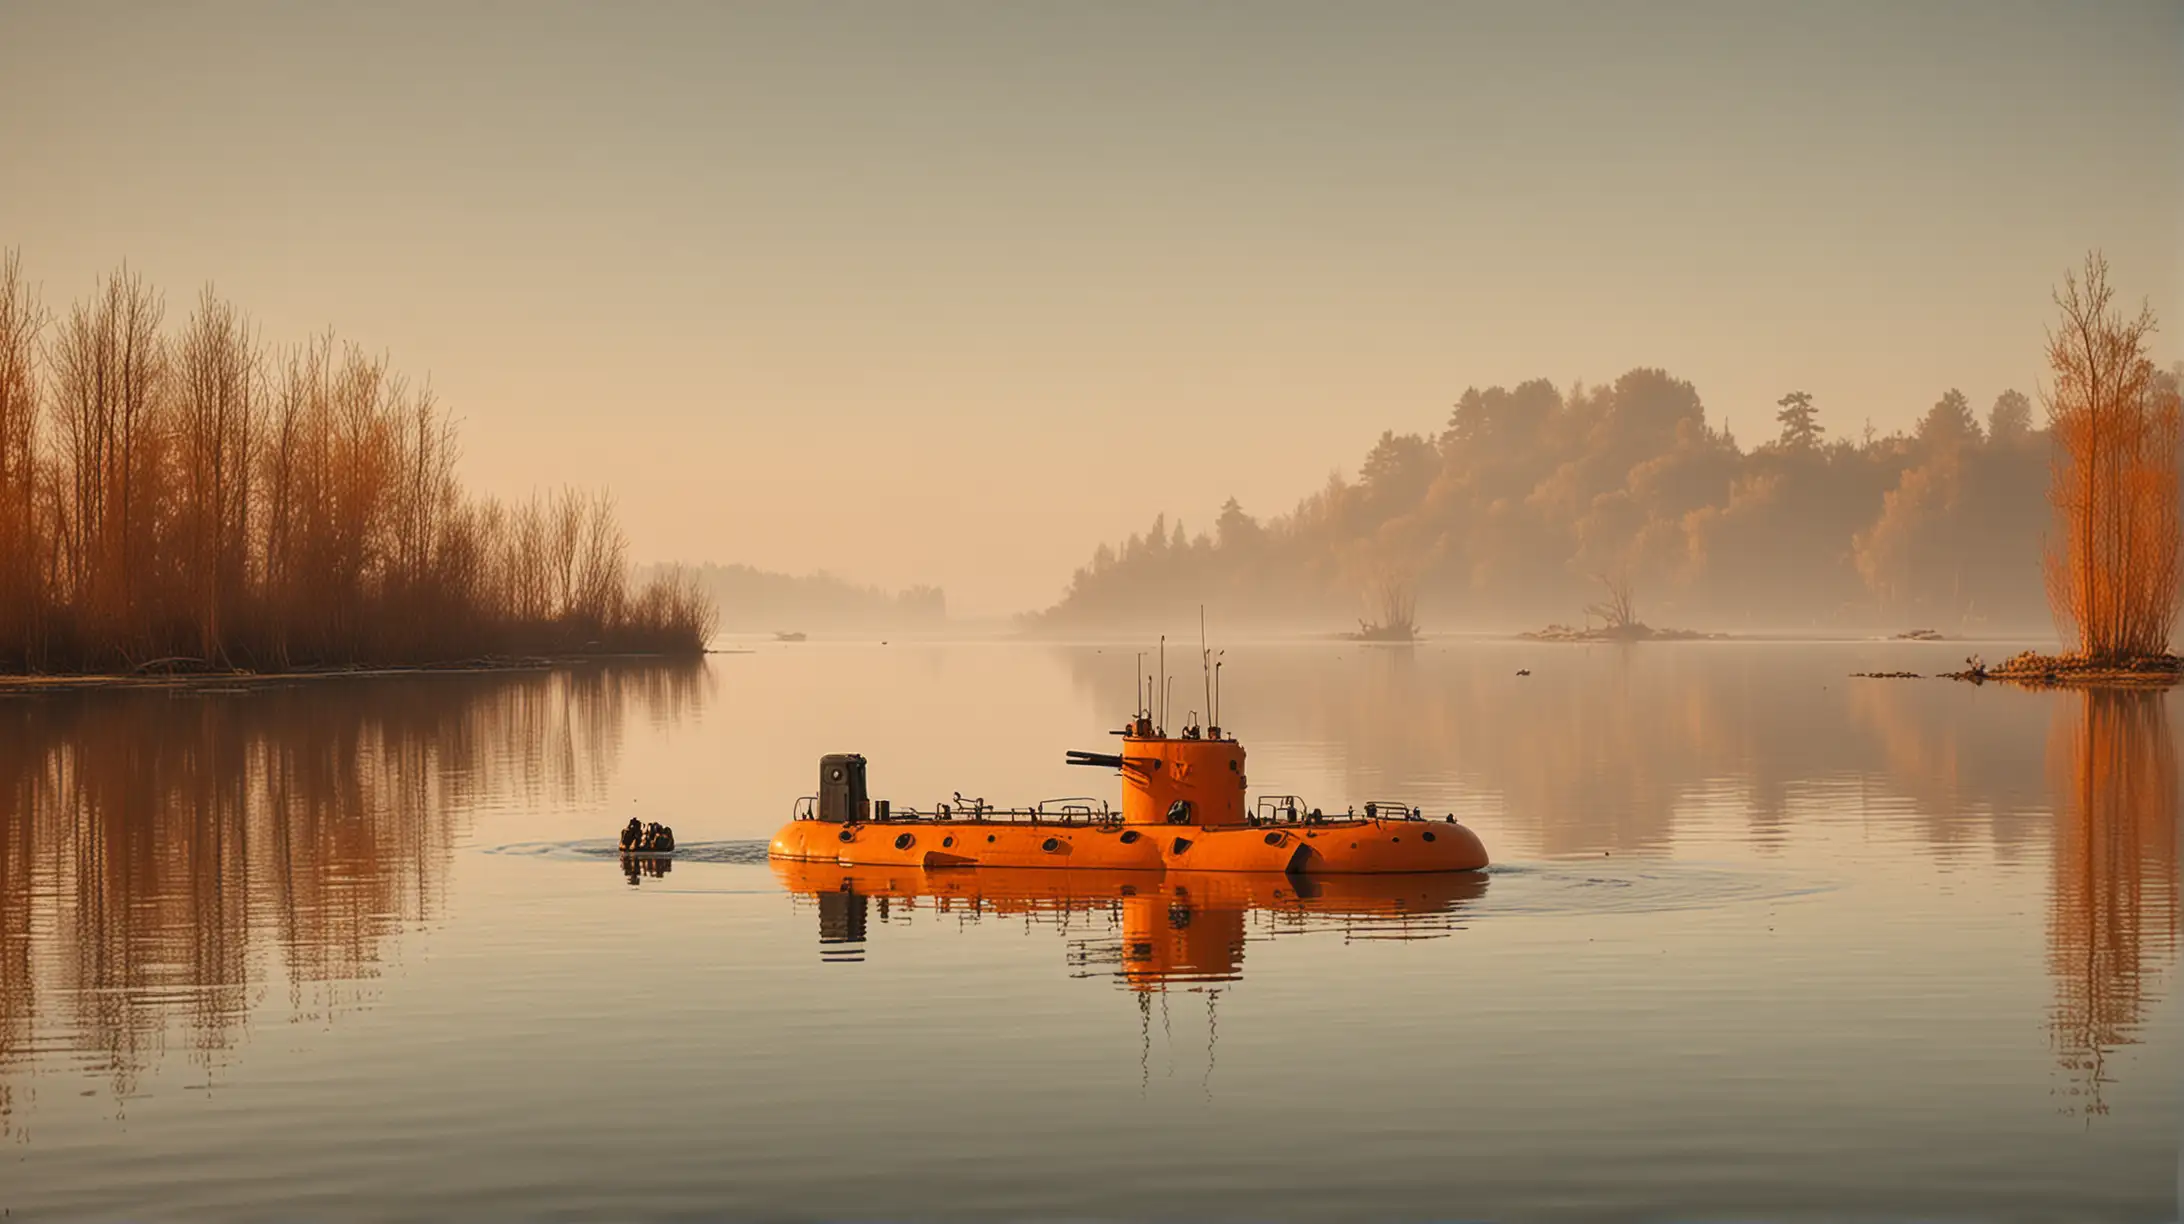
x=219 y=369
x=1949 y=422
x=22 y=320
x=2112 y=564
x=2010 y=420
x=109 y=367
x=175 y=496
x=1397 y=469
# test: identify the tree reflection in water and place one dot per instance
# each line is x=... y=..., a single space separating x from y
x=2112 y=912
x=1631 y=749
x=165 y=855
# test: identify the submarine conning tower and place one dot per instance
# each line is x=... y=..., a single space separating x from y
x=1192 y=779
x=842 y=797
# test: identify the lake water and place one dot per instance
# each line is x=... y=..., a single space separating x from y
x=1761 y=941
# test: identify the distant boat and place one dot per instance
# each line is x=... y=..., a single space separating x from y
x=785 y=635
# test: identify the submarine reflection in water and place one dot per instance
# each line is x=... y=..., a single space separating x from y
x=1144 y=930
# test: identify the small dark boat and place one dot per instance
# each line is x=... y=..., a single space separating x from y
x=639 y=837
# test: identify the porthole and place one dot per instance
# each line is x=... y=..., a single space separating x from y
x=847 y=835
x=1129 y=837
x=905 y=841
x=1428 y=835
x=1395 y=839
x=945 y=842
x=835 y=774
x=1353 y=845
x=989 y=837
x=1051 y=845
x=1273 y=839
x=1182 y=844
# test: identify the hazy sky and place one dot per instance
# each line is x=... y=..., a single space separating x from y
x=952 y=292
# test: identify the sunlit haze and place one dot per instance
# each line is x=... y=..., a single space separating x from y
x=953 y=293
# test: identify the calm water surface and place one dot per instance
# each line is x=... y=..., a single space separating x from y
x=1762 y=941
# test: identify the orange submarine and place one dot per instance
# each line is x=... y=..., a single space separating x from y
x=1183 y=809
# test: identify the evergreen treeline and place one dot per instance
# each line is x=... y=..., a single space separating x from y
x=188 y=494
x=1532 y=496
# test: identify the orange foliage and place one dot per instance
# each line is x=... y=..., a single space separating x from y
x=2112 y=566
x=193 y=497
x=2113 y=912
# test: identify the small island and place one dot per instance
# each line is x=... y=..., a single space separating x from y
x=2032 y=669
x=1393 y=614
x=2115 y=559
x=1617 y=613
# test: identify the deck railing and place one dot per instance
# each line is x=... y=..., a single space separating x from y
x=1069 y=811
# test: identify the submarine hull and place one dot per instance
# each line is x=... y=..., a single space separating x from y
x=1333 y=847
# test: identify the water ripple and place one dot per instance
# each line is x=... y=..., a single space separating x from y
x=742 y=853
x=1559 y=888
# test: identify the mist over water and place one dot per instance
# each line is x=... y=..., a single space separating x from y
x=1760 y=939
x=434 y=438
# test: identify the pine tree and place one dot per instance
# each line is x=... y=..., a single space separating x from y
x=1801 y=428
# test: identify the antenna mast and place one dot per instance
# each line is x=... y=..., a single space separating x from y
x=1205 y=665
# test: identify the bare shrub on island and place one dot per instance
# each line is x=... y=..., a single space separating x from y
x=1618 y=610
x=1392 y=609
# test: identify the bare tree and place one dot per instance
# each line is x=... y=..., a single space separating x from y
x=1618 y=611
x=1392 y=608
x=2112 y=566
x=109 y=367
x=565 y=513
x=183 y=496
x=602 y=569
x=219 y=369
x=22 y=594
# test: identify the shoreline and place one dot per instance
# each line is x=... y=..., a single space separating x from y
x=2031 y=669
x=19 y=683
x=1634 y=633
